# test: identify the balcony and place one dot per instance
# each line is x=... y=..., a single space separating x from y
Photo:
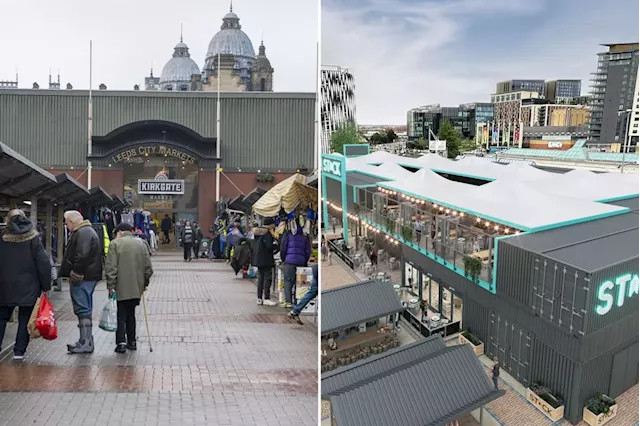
x=458 y=241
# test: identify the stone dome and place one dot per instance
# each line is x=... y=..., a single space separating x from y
x=179 y=69
x=230 y=40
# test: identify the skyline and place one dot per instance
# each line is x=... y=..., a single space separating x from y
x=409 y=53
x=55 y=38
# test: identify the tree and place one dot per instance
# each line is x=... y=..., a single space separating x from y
x=468 y=145
x=391 y=135
x=345 y=135
x=375 y=138
x=448 y=133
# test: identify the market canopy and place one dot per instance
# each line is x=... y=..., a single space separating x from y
x=288 y=194
x=20 y=177
x=98 y=198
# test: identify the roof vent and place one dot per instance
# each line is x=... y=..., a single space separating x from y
x=102 y=86
x=136 y=87
x=69 y=86
x=36 y=85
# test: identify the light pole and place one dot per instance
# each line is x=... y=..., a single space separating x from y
x=626 y=136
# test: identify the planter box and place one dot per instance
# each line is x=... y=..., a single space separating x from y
x=479 y=349
x=554 y=414
x=593 y=420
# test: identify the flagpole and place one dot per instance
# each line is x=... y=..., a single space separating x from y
x=218 y=140
x=90 y=116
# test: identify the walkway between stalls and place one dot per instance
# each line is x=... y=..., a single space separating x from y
x=218 y=359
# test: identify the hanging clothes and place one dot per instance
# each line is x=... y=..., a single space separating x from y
x=127 y=218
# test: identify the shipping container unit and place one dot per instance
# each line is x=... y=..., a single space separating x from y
x=556 y=300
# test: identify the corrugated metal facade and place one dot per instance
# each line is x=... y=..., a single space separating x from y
x=271 y=131
x=555 y=372
x=629 y=306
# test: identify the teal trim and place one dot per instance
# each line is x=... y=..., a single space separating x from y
x=325 y=205
x=622 y=197
x=580 y=220
x=355 y=194
x=345 y=204
x=491 y=288
x=463 y=175
x=369 y=185
x=450 y=206
x=330 y=176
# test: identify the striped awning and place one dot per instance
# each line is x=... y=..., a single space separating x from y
x=289 y=194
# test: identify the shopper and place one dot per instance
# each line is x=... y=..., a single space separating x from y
x=25 y=272
x=495 y=372
x=187 y=240
x=295 y=253
x=82 y=264
x=128 y=271
x=373 y=257
x=165 y=226
x=265 y=246
x=308 y=297
x=197 y=239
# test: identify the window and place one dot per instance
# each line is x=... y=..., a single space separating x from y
x=263 y=85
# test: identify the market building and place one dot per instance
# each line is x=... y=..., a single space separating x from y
x=541 y=267
x=158 y=150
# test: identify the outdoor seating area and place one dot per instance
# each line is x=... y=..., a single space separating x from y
x=358 y=320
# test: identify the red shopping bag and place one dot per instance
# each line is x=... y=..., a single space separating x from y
x=46 y=322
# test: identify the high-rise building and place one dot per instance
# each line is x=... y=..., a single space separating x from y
x=338 y=102
x=562 y=90
x=634 y=120
x=520 y=85
x=613 y=92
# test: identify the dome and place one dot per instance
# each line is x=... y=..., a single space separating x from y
x=262 y=63
x=230 y=40
x=180 y=67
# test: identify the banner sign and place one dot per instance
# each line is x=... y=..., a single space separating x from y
x=161 y=187
x=140 y=151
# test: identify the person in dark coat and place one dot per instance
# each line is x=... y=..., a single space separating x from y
x=82 y=264
x=165 y=226
x=265 y=246
x=197 y=239
x=25 y=272
x=296 y=251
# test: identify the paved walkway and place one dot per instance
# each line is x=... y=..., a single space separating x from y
x=218 y=359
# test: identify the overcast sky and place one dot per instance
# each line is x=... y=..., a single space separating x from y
x=407 y=53
x=131 y=36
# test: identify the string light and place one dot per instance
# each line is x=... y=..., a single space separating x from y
x=506 y=230
x=496 y=227
x=478 y=220
x=487 y=224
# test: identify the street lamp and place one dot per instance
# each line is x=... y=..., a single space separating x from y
x=626 y=137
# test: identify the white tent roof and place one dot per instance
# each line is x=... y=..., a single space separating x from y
x=519 y=195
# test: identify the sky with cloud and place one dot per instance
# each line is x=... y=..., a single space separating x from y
x=130 y=37
x=407 y=53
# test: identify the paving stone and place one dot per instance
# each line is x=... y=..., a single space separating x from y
x=217 y=358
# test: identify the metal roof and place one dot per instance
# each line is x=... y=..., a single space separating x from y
x=432 y=391
x=355 y=179
x=630 y=203
x=588 y=246
x=19 y=176
x=251 y=198
x=344 y=377
x=354 y=304
x=98 y=198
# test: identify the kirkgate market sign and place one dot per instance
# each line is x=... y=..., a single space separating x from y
x=616 y=292
x=143 y=151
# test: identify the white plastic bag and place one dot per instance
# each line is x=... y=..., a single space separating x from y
x=109 y=317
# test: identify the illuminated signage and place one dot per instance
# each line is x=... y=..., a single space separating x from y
x=627 y=286
x=161 y=187
x=130 y=154
x=333 y=167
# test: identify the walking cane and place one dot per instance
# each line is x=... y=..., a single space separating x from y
x=146 y=321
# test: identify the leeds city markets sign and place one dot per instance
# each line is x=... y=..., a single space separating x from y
x=618 y=290
x=153 y=150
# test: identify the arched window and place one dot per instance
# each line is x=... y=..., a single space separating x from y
x=184 y=88
x=168 y=88
x=263 y=85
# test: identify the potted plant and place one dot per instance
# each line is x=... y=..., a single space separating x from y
x=599 y=410
x=472 y=267
x=390 y=225
x=466 y=337
x=407 y=233
x=265 y=177
x=552 y=406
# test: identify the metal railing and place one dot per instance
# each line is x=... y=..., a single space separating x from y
x=451 y=252
x=335 y=248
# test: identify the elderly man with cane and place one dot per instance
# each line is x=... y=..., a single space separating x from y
x=128 y=270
